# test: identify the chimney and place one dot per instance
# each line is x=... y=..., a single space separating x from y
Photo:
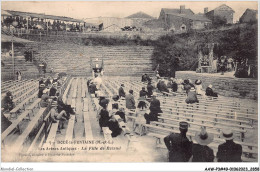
x=182 y=8
x=206 y=10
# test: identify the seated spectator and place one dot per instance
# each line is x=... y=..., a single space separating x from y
x=150 y=116
x=163 y=87
x=158 y=85
x=192 y=97
x=144 y=78
x=142 y=98
x=210 y=92
x=121 y=91
x=45 y=98
x=103 y=115
x=180 y=86
x=121 y=113
x=40 y=93
x=62 y=116
x=201 y=152
x=53 y=89
x=92 y=89
x=48 y=82
x=190 y=82
x=229 y=151
x=62 y=106
x=41 y=82
x=7 y=102
x=149 y=89
x=186 y=85
x=129 y=100
x=198 y=87
x=174 y=85
x=155 y=105
x=113 y=125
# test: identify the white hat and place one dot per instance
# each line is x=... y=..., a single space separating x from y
x=203 y=138
x=227 y=134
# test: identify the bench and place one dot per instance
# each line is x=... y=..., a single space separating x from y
x=83 y=88
x=70 y=129
x=74 y=95
x=22 y=138
x=21 y=105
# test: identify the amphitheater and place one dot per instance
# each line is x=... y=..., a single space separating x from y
x=81 y=140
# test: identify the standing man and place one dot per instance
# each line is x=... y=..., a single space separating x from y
x=229 y=151
x=178 y=145
x=121 y=91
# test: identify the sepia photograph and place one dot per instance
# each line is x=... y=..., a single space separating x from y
x=130 y=82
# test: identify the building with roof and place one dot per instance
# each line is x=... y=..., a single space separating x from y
x=107 y=23
x=139 y=18
x=182 y=20
x=249 y=16
x=222 y=12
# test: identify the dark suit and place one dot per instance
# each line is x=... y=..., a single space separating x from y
x=202 y=153
x=121 y=92
x=149 y=90
x=52 y=91
x=179 y=146
x=174 y=86
x=142 y=93
x=229 y=152
x=210 y=92
x=155 y=106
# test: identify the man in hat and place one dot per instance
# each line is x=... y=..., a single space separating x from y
x=192 y=96
x=178 y=145
x=229 y=151
x=121 y=91
x=155 y=105
x=7 y=102
x=130 y=100
x=201 y=152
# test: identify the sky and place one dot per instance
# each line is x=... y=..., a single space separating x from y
x=90 y=9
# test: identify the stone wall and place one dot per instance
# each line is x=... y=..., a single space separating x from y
x=225 y=86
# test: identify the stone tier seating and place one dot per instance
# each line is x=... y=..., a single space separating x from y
x=75 y=59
